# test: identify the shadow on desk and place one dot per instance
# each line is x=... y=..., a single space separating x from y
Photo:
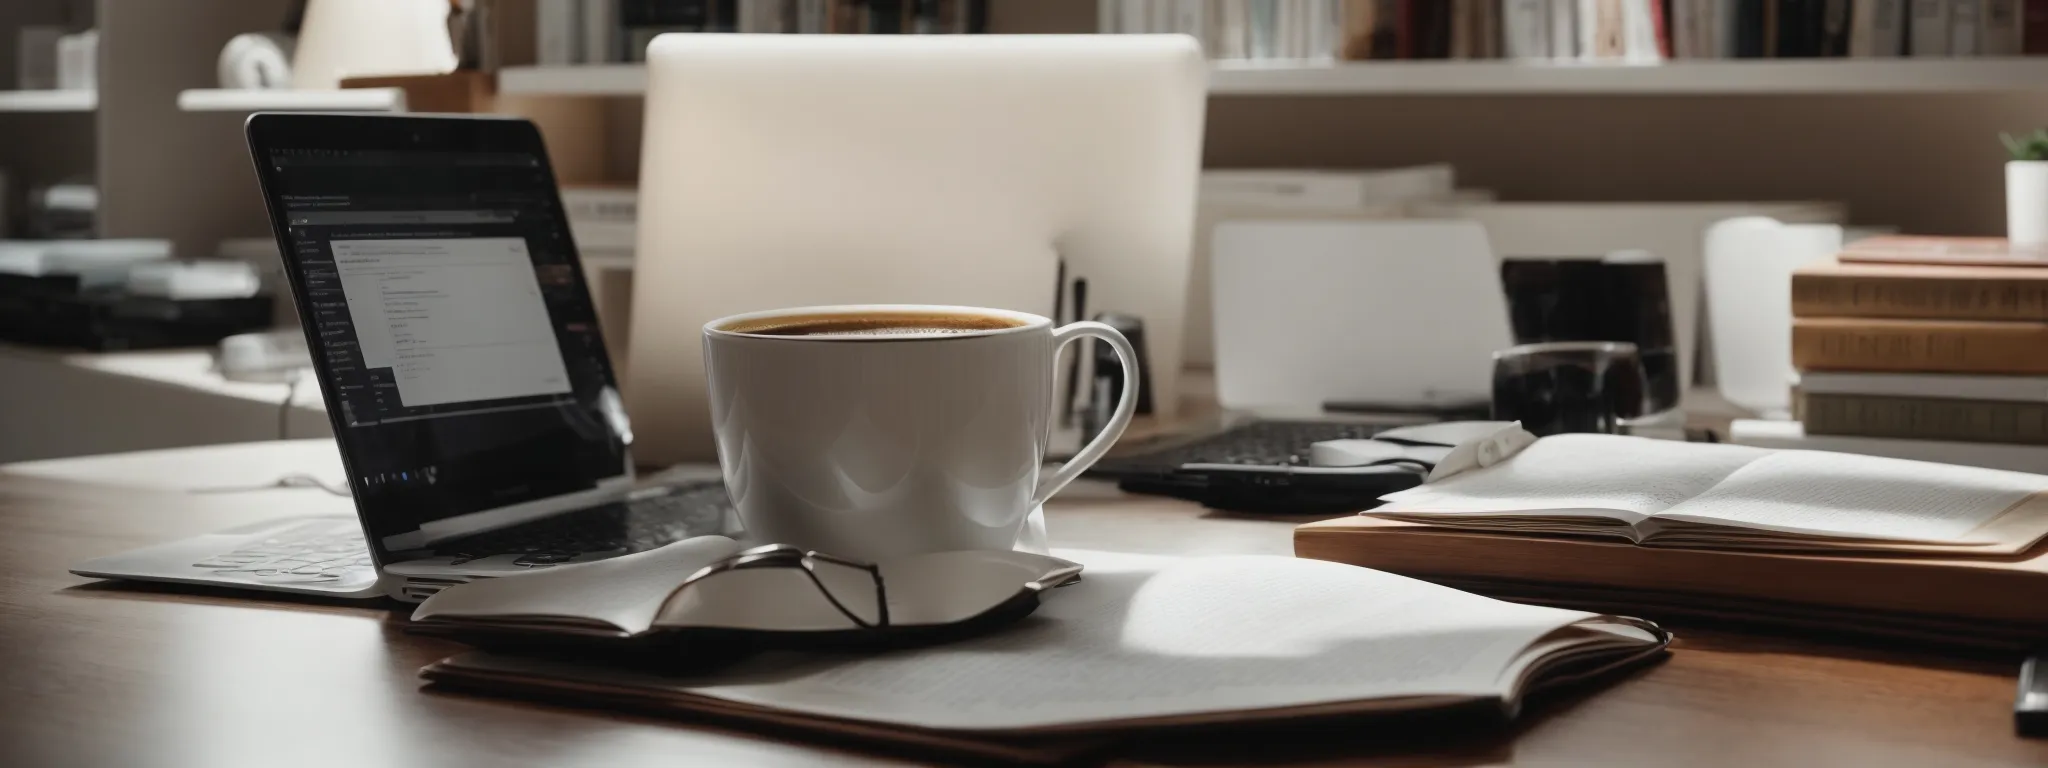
x=240 y=598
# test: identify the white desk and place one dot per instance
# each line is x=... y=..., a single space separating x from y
x=59 y=403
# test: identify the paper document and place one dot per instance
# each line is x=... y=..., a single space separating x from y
x=1144 y=637
x=1696 y=494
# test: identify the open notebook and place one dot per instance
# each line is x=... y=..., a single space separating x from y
x=652 y=593
x=1140 y=642
x=1712 y=496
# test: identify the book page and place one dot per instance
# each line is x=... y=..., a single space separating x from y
x=1846 y=495
x=1626 y=478
x=1142 y=637
x=625 y=591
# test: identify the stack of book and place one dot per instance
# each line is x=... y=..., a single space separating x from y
x=1924 y=338
x=1638 y=31
x=605 y=31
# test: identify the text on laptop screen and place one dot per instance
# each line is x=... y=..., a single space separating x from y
x=458 y=337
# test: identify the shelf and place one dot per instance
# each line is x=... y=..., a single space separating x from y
x=1504 y=78
x=1750 y=77
x=49 y=101
x=281 y=100
x=586 y=80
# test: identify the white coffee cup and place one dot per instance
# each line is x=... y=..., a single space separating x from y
x=884 y=443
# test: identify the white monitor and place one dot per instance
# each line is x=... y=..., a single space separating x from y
x=792 y=170
x=1397 y=312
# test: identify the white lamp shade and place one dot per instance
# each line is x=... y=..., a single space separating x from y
x=359 y=38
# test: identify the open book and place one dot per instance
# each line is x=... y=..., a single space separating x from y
x=1141 y=642
x=652 y=592
x=1713 y=496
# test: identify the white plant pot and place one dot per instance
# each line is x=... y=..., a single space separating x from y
x=2026 y=202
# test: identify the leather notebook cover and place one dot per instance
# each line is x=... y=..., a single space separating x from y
x=1999 y=602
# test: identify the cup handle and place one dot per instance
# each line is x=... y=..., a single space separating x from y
x=1126 y=405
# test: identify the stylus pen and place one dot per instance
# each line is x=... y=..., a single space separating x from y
x=1074 y=361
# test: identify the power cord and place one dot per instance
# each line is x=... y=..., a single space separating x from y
x=295 y=480
x=284 y=409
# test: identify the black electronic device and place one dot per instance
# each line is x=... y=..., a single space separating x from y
x=1262 y=466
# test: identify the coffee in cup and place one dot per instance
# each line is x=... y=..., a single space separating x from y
x=878 y=431
x=875 y=324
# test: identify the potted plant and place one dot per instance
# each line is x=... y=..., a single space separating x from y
x=2026 y=188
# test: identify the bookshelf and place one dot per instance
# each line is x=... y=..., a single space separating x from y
x=248 y=100
x=1492 y=78
x=49 y=101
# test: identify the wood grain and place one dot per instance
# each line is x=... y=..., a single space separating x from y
x=96 y=674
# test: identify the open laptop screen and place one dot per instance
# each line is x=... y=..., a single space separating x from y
x=447 y=314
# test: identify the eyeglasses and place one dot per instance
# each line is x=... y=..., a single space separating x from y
x=786 y=556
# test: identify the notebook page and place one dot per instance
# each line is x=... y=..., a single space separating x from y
x=1151 y=637
x=1627 y=478
x=1846 y=495
x=625 y=591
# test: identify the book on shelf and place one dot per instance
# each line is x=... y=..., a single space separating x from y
x=1910 y=291
x=1525 y=29
x=1877 y=28
x=1924 y=418
x=1662 y=493
x=1966 y=28
x=2034 y=27
x=1928 y=28
x=606 y=31
x=1929 y=346
x=2002 y=32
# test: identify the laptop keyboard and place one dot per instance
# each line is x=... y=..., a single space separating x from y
x=313 y=552
x=333 y=551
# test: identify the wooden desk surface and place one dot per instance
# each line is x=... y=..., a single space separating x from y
x=93 y=674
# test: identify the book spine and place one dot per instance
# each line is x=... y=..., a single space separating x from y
x=2002 y=32
x=1929 y=28
x=1490 y=34
x=1564 y=29
x=558 y=32
x=1602 y=32
x=1642 y=31
x=885 y=17
x=1834 y=28
x=600 y=31
x=1525 y=29
x=977 y=17
x=1965 y=20
x=1261 y=28
x=1931 y=346
x=1932 y=298
x=925 y=17
x=1464 y=43
x=1749 y=29
x=1880 y=28
x=1925 y=418
x=2034 y=27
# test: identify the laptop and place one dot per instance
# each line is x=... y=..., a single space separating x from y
x=457 y=349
